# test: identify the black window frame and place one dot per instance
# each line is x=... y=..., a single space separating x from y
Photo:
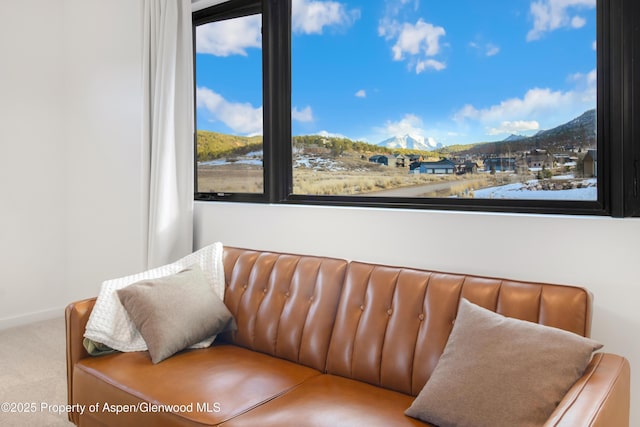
x=224 y=11
x=618 y=73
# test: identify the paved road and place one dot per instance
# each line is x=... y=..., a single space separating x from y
x=427 y=190
x=415 y=191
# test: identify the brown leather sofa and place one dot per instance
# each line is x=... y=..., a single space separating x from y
x=325 y=342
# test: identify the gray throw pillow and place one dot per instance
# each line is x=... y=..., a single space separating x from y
x=173 y=312
x=498 y=371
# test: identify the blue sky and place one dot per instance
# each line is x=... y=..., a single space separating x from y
x=451 y=72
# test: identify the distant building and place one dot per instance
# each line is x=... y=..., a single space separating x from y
x=383 y=159
x=441 y=167
x=380 y=159
x=562 y=159
x=467 y=167
x=500 y=164
x=391 y=160
x=591 y=163
x=402 y=161
x=539 y=159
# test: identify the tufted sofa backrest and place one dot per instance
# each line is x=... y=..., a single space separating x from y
x=284 y=305
x=393 y=323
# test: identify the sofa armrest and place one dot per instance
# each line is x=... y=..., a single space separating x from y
x=76 y=317
x=601 y=397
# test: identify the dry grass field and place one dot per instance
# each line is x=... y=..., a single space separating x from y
x=347 y=177
x=230 y=178
x=380 y=182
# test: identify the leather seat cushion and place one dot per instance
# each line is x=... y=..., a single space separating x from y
x=332 y=401
x=234 y=378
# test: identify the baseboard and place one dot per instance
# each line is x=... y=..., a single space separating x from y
x=25 y=319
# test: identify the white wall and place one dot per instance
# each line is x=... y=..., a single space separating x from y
x=106 y=206
x=32 y=159
x=72 y=208
x=71 y=212
x=600 y=254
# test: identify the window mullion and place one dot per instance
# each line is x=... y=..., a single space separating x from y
x=276 y=35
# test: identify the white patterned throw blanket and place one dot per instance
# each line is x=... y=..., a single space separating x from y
x=109 y=323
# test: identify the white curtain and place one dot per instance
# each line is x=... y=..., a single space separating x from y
x=168 y=128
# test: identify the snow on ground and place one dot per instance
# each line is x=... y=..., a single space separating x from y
x=221 y=162
x=316 y=163
x=509 y=191
x=255 y=158
x=516 y=191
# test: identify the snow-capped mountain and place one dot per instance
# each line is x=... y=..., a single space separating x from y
x=411 y=142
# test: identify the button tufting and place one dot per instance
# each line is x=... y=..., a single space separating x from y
x=264 y=290
x=362 y=308
x=245 y=287
x=287 y=294
x=421 y=317
x=390 y=312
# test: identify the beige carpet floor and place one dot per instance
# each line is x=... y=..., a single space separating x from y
x=33 y=375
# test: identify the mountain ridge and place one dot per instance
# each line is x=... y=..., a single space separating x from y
x=578 y=133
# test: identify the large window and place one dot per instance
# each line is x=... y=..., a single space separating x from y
x=505 y=105
x=462 y=98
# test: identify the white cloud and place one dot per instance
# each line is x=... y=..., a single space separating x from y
x=230 y=37
x=311 y=16
x=492 y=50
x=586 y=85
x=242 y=118
x=430 y=64
x=535 y=101
x=594 y=46
x=387 y=28
x=409 y=124
x=327 y=134
x=422 y=37
x=418 y=43
x=516 y=127
x=361 y=93
x=488 y=49
x=394 y=7
x=304 y=115
x=235 y=36
x=578 y=22
x=537 y=104
x=550 y=15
